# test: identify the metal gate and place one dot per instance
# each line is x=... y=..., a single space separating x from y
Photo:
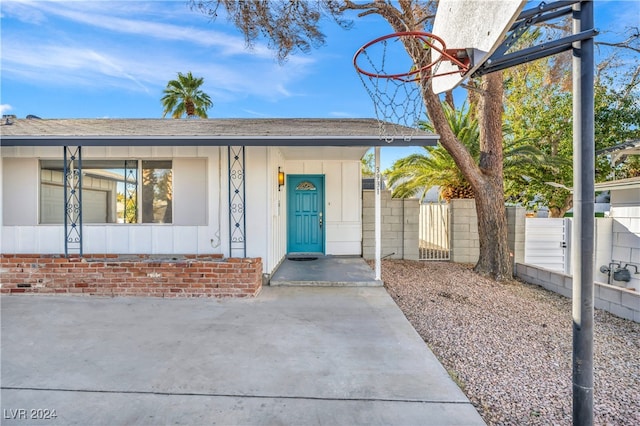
x=547 y=242
x=433 y=228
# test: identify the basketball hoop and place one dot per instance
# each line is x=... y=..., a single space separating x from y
x=394 y=81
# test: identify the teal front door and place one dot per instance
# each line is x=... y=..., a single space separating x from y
x=305 y=213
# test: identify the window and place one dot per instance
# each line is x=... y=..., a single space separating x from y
x=156 y=192
x=306 y=186
x=113 y=191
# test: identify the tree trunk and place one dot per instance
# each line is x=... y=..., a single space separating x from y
x=448 y=98
x=190 y=107
x=495 y=259
x=556 y=212
x=560 y=211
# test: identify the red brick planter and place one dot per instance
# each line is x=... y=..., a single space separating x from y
x=131 y=275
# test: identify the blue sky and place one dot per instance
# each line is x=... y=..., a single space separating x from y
x=112 y=59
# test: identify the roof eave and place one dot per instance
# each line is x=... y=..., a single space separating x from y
x=415 y=140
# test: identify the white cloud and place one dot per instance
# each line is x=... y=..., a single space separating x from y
x=103 y=15
x=140 y=55
x=257 y=114
x=128 y=69
x=4 y=108
x=340 y=114
x=22 y=11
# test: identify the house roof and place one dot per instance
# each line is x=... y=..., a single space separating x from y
x=632 y=149
x=621 y=151
x=249 y=132
x=629 y=183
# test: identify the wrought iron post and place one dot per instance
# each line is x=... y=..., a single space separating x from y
x=130 y=191
x=237 y=218
x=73 y=200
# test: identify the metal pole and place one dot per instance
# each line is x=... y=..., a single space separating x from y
x=378 y=216
x=583 y=207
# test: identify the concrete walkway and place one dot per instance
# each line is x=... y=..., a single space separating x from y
x=328 y=271
x=291 y=356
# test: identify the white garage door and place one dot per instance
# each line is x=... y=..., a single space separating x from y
x=94 y=205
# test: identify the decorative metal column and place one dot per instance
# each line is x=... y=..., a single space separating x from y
x=237 y=218
x=130 y=191
x=72 y=200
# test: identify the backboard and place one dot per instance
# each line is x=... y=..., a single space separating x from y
x=479 y=26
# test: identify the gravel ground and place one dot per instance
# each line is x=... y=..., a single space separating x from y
x=509 y=345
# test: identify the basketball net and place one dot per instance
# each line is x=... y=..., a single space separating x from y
x=394 y=82
x=398 y=106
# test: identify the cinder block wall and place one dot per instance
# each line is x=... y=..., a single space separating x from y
x=621 y=302
x=400 y=233
x=465 y=242
x=399 y=222
x=111 y=275
x=516 y=216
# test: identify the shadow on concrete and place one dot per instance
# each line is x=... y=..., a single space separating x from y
x=324 y=271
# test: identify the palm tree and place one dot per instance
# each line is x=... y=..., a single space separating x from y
x=185 y=96
x=415 y=174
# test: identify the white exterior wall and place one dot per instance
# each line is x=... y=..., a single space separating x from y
x=205 y=234
x=603 y=246
x=265 y=222
x=625 y=211
x=277 y=212
x=201 y=213
x=343 y=202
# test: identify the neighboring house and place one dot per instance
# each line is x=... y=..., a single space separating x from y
x=234 y=188
x=622 y=227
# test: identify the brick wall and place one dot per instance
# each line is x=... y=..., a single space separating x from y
x=114 y=275
x=621 y=302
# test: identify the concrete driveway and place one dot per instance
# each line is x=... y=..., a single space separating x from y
x=291 y=356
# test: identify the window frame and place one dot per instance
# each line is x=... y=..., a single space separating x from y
x=55 y=165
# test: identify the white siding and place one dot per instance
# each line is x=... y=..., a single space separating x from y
x=196 y=188
x=201 y=211
x=257 y=201
x=20 y=191
x=278 y=211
